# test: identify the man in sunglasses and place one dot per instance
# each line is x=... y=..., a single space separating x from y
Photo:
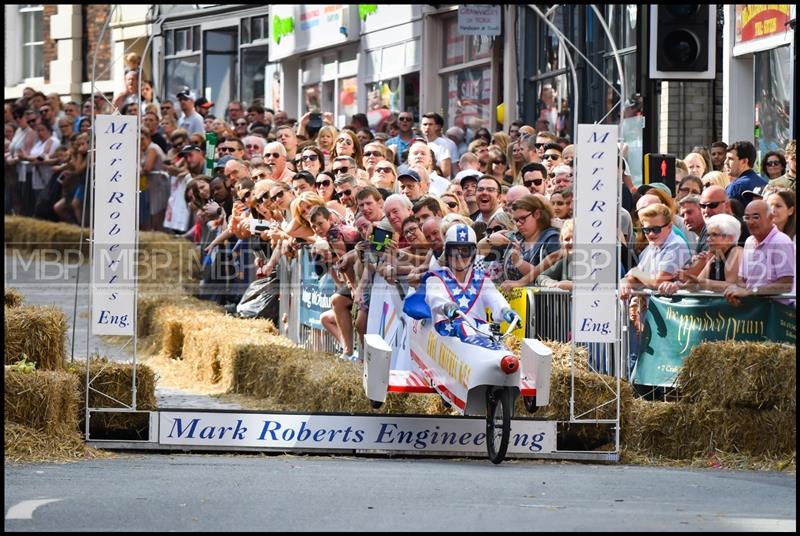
x=253 y=146
x=551 y=157
x=275 y=156
x=461 y=288
x=534 y=177
x=405 y=135
x=714 y=201
x=347 y=187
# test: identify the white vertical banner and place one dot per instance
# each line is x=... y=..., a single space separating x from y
x=596 y=267
x=115 y=190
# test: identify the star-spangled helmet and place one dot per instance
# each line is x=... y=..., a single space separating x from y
x=460 y=234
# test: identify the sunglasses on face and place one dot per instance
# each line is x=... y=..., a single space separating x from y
x=452 y=204
x=551 y=156
x=324 y=183
x=346 y=141
x=713 y=204
x=224 y=149
x=273 y=155
x=373 y=153
x=403 y=118
x=464 y=252
x=655 y=229
x=343 y=169
x=773 y=163
x=383 y=170
x=311 y=157
x=244 y=196
x=539 y=145
x=346 y=193
x=277 y=196
x=495 y=229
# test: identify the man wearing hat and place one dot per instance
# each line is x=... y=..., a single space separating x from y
x=195 y=159
x=412 y=184
x=191 y=120
x=203 y=106
x=468 y=180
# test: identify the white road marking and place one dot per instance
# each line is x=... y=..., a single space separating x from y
x=24 y=510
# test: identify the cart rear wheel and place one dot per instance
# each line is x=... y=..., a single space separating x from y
x=530 y=403
x=375 y=404
x=498 y=422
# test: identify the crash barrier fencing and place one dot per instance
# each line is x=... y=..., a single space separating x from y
x=671 y=325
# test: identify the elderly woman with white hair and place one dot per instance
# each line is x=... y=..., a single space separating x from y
x=723 y=257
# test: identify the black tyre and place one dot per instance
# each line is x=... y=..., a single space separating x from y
x=530 y=403
x=498 y=422
x=375 y=404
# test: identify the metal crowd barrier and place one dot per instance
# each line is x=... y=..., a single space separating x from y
x=550 y=318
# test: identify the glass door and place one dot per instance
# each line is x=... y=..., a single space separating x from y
x=220 y=67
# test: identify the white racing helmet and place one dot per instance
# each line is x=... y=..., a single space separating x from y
x=460 y=235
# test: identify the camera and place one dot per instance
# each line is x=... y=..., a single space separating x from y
x=258 y=226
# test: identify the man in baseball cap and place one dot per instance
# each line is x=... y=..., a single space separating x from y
x=468 y=180
x=191 y=120
x=203 y=106
x=195 y=158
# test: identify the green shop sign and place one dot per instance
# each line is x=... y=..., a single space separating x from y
x=673 y=327
x=367 y=9
x=281 y=27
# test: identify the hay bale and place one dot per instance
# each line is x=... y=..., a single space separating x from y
x=154 y=299
x=686 y=431
x=33 y=234
x=13 y=297
x=62 y=443
x=112 y=384
x=562 y=352
x=740 y=375
x=42 y=400
x=37 y=331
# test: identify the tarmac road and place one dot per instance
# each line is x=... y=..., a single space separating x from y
x=183 y=492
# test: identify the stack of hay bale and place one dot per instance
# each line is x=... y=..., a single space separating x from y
x=44 y=406
x=736 y=398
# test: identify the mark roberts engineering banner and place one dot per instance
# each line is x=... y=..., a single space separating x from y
x=672 y=329
x=349 y=432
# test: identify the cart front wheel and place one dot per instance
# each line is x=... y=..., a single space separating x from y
x=498 y=422
x=530 y=403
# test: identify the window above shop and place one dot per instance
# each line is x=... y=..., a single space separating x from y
x=254 y=29
x=182 y=40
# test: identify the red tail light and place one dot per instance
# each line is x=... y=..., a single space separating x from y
x=509 y=364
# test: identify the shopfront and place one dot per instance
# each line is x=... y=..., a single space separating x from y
x=760 y=75
x=218 y=54
x=317 y=46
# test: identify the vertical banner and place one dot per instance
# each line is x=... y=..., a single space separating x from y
x=115 y=190
x=595 y=263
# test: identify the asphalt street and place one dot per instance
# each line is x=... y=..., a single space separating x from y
x=181 y=492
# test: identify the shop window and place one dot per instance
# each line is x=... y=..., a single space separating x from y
x=254 y=73
x=257 y=76
x=221 y=65
x=182 y=61
x=773 y=91
x=468 y=97
x=32 y=41
x=329 y=84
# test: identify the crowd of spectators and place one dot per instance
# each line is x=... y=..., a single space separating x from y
x=366 y=199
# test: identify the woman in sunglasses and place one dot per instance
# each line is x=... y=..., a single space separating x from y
x=452 y=204
x=720 y=262
x=385 y=176
x=500 y=167
x=347 y=144
x=326 y=190
x=665 y=255
x=773 y=165
x=312 y=160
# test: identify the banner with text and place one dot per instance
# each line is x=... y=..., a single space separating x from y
x=316 y=290
x=673 y=328
x=456 y=435
x=595 y=264
x=115 y=225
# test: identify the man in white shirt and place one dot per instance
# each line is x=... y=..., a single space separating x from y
x=191 y=120
x=443 y=148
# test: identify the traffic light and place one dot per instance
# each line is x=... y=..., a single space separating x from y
x=683 y=42
x=660 y=168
